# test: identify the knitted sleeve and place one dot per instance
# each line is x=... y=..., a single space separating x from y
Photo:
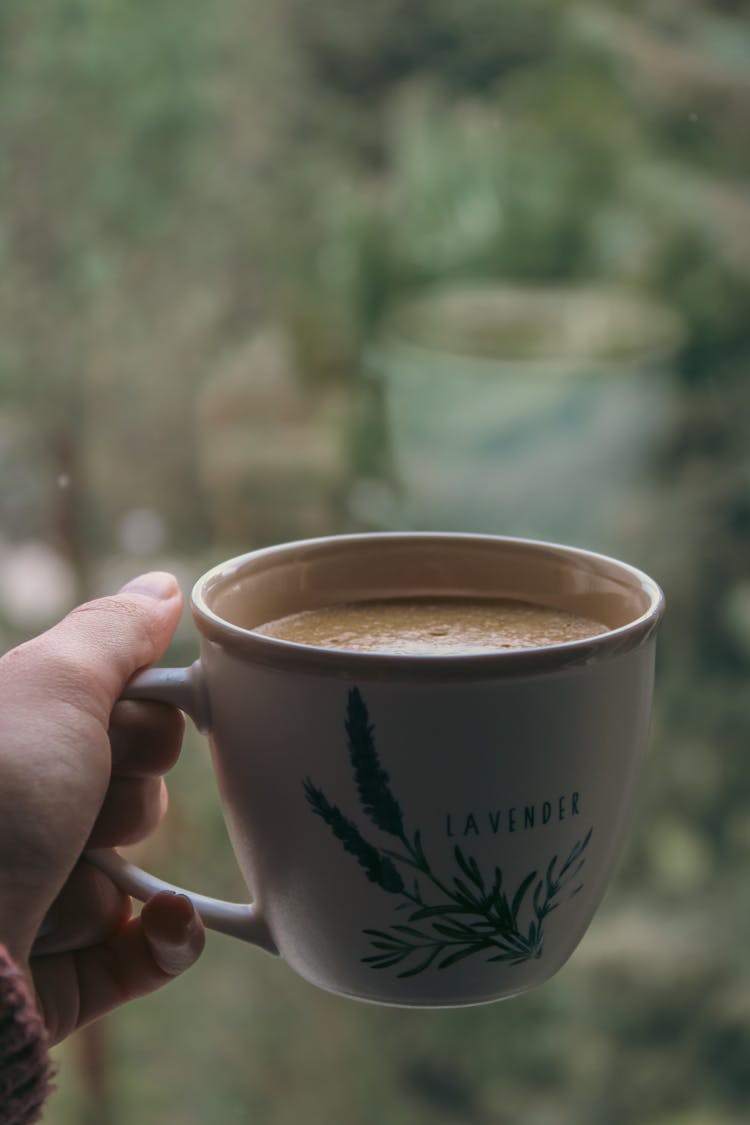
x=25 y=1069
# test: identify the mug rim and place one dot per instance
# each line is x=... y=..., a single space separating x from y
x=273 y=651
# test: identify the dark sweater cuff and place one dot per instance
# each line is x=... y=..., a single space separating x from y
x=25 y=1069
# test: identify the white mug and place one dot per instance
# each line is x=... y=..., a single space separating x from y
x=416 y=830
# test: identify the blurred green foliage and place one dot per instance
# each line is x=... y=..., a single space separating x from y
x=206 y=212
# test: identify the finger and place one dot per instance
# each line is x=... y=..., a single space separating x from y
x=89 y=657
x=174 y=932
x=131 y=810
x=89 y=909
x=148 y=952
x=146 y=738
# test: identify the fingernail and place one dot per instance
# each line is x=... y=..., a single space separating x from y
x=181 y=921
x=187 y=911
x=157 y=584
x=177 y=940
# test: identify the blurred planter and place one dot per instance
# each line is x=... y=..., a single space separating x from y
x=528 y=411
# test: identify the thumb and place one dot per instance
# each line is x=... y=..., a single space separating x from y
x=89 y=657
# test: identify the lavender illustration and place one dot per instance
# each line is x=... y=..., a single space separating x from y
x=447 y=919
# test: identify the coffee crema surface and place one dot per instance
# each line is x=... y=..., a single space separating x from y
x=433 y=626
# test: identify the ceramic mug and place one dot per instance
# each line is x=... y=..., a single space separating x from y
x=416 y=830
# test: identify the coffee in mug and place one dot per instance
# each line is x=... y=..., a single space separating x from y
x=431 y=824
x=432 y=626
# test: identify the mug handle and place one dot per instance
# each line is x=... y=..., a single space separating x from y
x=183 y=688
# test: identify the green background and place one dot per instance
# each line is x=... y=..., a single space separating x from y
x=208 y=215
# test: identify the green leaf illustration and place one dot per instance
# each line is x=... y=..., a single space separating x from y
x=518 y=897
x=459 y=916
x=379 y=868
x=373 y=783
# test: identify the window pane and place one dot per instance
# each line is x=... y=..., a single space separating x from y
x=270 y=271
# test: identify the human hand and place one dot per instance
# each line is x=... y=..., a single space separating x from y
x=79 y=769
